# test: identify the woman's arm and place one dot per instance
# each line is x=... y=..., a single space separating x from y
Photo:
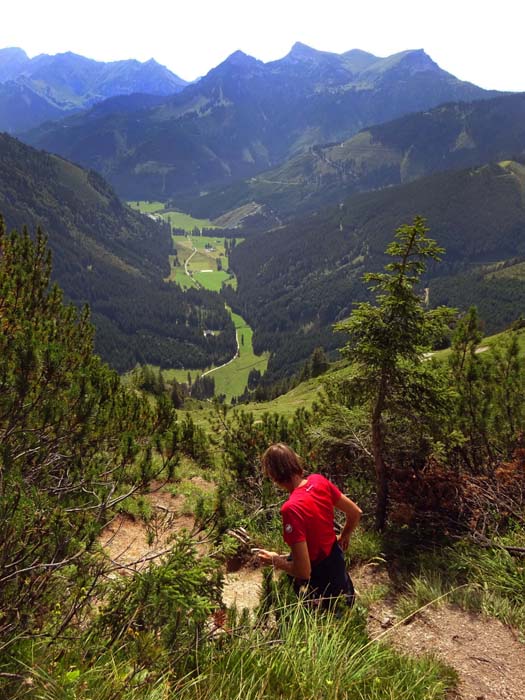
x=353 y=515
x=299 y=566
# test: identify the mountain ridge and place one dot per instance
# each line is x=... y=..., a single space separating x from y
x=69 y=82
x=450 y=136
x=295 y=281
x=246 y=116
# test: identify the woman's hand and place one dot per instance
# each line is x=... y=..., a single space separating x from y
x=344 y=540
x=297 y=566
x=353 y=515
x=266 y=557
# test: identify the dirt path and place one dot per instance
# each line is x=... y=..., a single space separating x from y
x=487 y=655
x=489 y=659
x=242 y=588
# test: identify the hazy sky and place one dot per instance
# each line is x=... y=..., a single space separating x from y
x=476 y=40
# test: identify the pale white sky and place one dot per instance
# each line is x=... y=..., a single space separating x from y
x=476 y=40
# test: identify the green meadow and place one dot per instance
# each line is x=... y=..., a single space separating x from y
x=146 y=207
x=177 y=219
x=211 y=280
x=203 y=264
x=231 y=379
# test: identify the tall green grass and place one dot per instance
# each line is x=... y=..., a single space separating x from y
x=294 y=653
x=489 y=581
x=314 y=656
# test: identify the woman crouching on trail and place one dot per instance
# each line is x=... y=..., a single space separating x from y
x=317 y=558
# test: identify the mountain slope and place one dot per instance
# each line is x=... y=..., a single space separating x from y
x=114 y=259
x=296 y=281
x=246 y=116
x=67 y=82
x=451 y=136
x=21 y=108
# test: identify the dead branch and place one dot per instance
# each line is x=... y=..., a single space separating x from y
x=487 y=543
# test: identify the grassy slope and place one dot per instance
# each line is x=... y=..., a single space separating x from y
x=487 y=343
x=177 y=219
x=306 y=393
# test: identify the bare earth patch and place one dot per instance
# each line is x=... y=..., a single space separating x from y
x=132 y=543
x=489 y=659
x=242 y=588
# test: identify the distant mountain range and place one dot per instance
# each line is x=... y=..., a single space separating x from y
x=246 y=116
x=451 y=136
x=114 y=259
x=327 y=154
x=33 y=90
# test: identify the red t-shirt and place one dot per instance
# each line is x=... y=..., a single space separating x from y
x=308 y=516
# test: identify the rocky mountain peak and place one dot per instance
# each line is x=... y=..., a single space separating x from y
x=240 y=59
x=12 y=61
x=417 y=60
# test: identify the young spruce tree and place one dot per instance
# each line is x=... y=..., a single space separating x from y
x=387 y=342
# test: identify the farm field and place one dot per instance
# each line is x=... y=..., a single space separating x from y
x=205 y=252
x=177 y=219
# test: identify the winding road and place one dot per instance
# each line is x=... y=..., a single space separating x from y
x=237 y=352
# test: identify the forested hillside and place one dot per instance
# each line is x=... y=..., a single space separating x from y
x=448 y=137
x=296 y=281
x=113 y=259
x=246 y=116
x=125 y=530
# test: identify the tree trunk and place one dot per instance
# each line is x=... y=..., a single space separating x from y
x=379 y=463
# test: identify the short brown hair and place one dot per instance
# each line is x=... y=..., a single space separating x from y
x=280 y=463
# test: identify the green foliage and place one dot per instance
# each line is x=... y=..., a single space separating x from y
x=245 y=438
x=346 y=664
x=386 y=345
x=194 y=441
x=488 y=413
x=318 y=362
x=170 y=601
x=203 y=388
x=73 y=443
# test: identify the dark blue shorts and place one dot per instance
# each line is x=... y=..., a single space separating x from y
x=329 y=580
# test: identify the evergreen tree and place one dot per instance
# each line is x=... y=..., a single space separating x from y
x=70 y=439
x=386 y=345
x=489 y=413
x=318 y=362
